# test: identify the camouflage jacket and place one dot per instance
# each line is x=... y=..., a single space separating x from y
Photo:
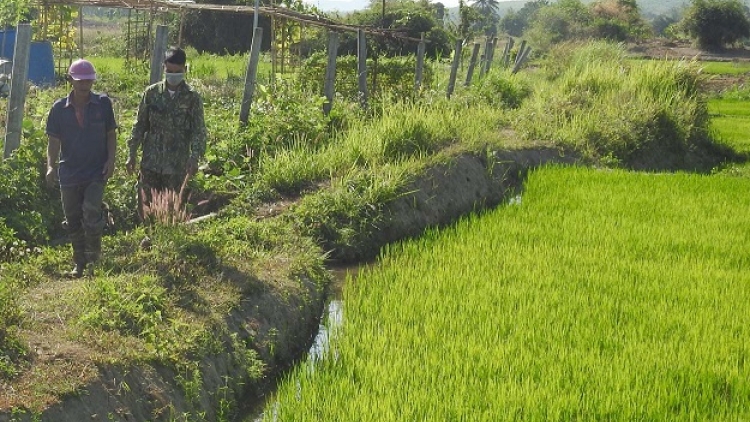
x=168 y=129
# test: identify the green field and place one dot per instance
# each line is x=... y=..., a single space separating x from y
x=731 y=121
x=602 y=295
x=726 y=68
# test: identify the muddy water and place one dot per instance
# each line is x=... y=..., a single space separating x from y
x=331 y=318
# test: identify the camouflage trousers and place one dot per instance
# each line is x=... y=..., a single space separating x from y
x=159 y=190
x=84 y=219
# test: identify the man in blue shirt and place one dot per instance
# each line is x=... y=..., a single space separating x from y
x=82 y=138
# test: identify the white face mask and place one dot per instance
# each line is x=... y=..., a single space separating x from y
x=174 y=78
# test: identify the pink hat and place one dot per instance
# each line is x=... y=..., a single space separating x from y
x=82 y=70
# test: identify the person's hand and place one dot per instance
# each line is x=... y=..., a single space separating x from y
x=108 y=170
x=130 y=165
x=192 y=166
x=52 y=177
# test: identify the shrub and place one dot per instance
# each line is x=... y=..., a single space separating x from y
x=611 y=106
x=395 y=76
x=28 y=210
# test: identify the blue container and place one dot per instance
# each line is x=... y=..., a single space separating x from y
x=41 y=64
x=7 y=43
x=41 y=60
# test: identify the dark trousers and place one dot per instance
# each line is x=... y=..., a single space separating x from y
x=84 y=219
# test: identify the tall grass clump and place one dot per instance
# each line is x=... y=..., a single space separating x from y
x=500 y=88
x=346 y=216
x=598 y=296
x=604 y=105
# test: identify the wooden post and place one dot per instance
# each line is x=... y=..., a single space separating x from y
x=506 y=52
x=520 y=62
x=251 y=75
x=454 y=67
x=472 y=63
x=485 y=57
x=182 y=24
x=521 y=49
x=362 y=67
x=329 y=89
x=420 y=66
x=157 y=56
x=17 y=96
x=491 y=54
x=80 y=30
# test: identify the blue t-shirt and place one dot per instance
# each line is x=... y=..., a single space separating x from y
x=83 y=149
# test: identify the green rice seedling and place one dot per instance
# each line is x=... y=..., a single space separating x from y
x=725 y=68
x=731 y=121
x=600 y=295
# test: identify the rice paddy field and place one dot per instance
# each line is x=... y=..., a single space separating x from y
x=731 y=119
x=595 y=295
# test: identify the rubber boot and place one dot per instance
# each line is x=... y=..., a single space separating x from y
x=79 y=255
x=78 y=270
x=93 y=248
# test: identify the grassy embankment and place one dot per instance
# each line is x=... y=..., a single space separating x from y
x=600 y=295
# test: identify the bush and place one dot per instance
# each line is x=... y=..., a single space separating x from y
x=394 y=76
x=612 y=106
x=28 y=210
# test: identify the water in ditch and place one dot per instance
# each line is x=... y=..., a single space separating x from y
x=331 y=318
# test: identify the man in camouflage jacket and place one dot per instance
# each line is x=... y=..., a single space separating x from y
x=171 y=132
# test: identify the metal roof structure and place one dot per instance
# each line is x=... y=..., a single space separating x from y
x=163 y=6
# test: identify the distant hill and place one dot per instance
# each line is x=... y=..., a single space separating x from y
x=649 y=8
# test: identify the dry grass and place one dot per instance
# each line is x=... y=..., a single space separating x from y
x=167 y=206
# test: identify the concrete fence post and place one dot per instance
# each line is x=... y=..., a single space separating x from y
x=251 y=75
x=17 y=96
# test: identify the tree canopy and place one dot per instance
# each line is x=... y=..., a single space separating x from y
x=714 y=24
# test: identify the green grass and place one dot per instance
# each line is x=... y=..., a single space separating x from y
x=725 y=68
x=601 y=296
x=201 y=66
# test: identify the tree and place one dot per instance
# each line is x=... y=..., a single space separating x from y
x=486 y=7
x=55 y=24
x=618 y=20
x=14 y=11
x=560 y=21
x=514 y=23
x=714 y=24
x=406 y=18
